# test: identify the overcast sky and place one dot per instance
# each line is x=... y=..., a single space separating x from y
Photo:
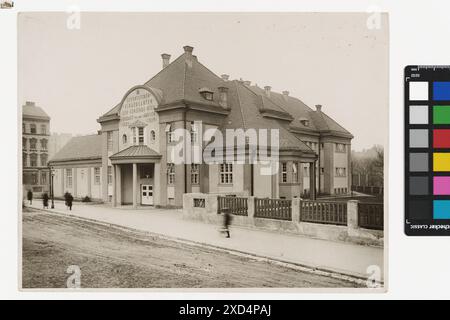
x=328 y=59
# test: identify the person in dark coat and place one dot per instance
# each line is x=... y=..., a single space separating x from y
x=30 y=196
x=45 y=200
x=69 y=201
x=226 y=221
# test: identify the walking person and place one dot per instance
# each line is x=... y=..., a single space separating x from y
x=45 y=200
x=30 y=197
x=69 y=201
x=226 y=221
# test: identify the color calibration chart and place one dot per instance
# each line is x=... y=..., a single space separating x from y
x=427 y=150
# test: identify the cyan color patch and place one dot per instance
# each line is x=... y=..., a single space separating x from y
x=441 y=90
x=441 y=209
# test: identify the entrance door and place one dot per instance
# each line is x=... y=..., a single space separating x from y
x=147 y=194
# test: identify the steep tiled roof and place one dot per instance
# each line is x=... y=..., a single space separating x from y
x=80 y=148
x=135 y=152
x=31 y=110
x=245 y=114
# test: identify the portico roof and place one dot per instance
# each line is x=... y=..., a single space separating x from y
x=135 y=154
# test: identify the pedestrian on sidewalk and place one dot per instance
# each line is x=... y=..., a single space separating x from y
x=226 y=221
x=45 y=200
x=69 y=201
x=30 y=197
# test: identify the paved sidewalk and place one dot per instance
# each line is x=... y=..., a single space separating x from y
x=333 y=256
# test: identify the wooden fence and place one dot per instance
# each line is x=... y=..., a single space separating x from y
x=273 y=209
x=370 y=215
x=236 y=205
x=323 y=212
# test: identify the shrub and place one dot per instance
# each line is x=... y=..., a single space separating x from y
x=86 y=199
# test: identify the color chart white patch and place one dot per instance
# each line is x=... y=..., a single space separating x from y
x=418 y=90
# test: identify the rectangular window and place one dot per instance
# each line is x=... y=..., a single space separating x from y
x=170 y=173
x=44 y=144
x=43 y=129
x=226 y=173
x=24 y=128
x=68 y=178
x=195 y=168
x=340 y=172
x=109 y=174
x=141 y=136
x=33 y=128
x=44 y=158
x=283 y=172
x=97 y=175
x=194 y=132
x=294 y=172
x=109 y=137
x=306 y=171
x=340 y=147
x=33 y=160
x=33 y=144
x=44 y=178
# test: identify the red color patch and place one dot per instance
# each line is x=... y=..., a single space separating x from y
x=441 y=138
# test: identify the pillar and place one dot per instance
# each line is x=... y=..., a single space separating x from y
x=89 y=182
x=156 y=184
x=134 y=185
x=352 y=214
x=312 y=180
x=118 y=185
x=114 y=187
x=74 y=182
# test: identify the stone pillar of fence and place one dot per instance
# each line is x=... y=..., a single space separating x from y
x=251 y=209
x=211 y=203
x=188 y=204
x=295 y=210
x=352 y=214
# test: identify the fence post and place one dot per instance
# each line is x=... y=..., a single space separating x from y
x=211 y=203
x=352 y=214
x=295 y=210
x=251 y=210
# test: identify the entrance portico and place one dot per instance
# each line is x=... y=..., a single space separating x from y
x=135 y=176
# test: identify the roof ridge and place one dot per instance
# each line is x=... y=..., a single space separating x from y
x=240 y=104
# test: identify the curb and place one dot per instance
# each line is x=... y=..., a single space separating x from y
x=327 y=272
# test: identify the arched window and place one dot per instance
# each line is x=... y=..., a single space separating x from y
x=153 y=135
x=124 y=139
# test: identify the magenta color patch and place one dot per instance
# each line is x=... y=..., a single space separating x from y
x=442 y=185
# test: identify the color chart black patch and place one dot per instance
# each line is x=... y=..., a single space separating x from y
x=427 y=150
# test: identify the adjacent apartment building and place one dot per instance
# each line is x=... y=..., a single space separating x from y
x=128 y=161
x=35 y=137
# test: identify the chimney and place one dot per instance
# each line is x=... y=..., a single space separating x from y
x=188 y=49
x=225 y=77
x=165 y=59
x=267 y=90
x=29 y=103
x=194 y=57
x=318 y=107
x=223 y=96
x=247 y=83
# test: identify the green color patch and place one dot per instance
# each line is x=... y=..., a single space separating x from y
x=441 y=114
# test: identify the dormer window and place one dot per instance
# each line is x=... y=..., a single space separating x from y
x=304 y=122
x=206 y=93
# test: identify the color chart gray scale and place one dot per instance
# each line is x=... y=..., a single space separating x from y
x=427 y=150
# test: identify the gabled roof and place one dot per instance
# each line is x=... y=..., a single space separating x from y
x=29 y=109
x=80 y=148
x=140 y=151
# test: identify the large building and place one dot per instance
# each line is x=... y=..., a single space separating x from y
x=35 y=137
x=56 y=142
x=129 y=160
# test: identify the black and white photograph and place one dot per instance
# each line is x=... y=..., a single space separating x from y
x=213 y=150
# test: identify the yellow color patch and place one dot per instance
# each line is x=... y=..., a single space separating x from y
x=441 y=161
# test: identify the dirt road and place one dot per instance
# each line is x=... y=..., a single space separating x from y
x=113 y=258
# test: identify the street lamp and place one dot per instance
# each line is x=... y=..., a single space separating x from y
x=52 y=174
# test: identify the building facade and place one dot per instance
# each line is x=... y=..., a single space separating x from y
x=130 y=160
x=35 y=138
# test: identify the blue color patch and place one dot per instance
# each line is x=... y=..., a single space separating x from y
x=441 y=209
x=441 y=90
